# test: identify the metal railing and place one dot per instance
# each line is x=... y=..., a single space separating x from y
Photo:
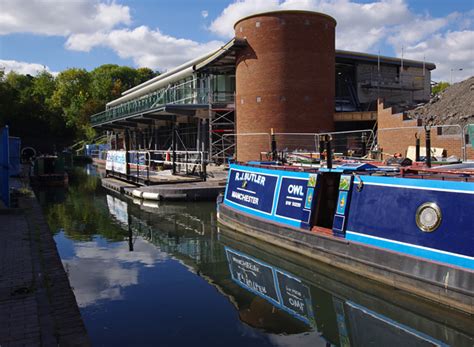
x=142 y=165
x=182 y=94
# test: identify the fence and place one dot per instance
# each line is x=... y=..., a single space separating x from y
x=446 y=141
x=4 y=166
x=251 y=144
x=142 y=165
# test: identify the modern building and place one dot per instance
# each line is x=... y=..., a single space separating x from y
x=281 y=71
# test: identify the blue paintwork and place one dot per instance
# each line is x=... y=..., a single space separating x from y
x=271 y=198
x=386 y=208
x=382 y=214
x=4 y=166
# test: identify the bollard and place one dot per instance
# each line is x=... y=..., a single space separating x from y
x=364 y=144
x=273 y=145
x=428 y=145
x=417 y=148
x=321 y=147
x=173 y=145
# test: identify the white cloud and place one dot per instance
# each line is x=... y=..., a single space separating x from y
x=204 y=13
x=145 y=46
x=23 y=68
x=98 y=273
x=451 y=50
x=368 y=27
x=224 y=24
x=60 y=17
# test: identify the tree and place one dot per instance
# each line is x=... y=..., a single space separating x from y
x=438 y=88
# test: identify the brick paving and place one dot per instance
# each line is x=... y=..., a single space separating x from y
x=37 y=305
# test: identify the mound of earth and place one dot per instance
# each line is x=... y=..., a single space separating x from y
x=454 y=105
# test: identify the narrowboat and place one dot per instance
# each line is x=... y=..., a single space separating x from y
x=411 y=228
x=49 y=170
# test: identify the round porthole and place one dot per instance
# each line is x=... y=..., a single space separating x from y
x=428 y=216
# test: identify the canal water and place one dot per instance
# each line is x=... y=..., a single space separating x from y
x=166 y=275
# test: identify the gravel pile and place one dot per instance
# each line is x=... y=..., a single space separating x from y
x=454 y=105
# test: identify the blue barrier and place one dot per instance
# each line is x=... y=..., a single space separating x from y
x=4 y=167
x=15 y=150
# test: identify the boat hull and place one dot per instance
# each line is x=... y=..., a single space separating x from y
x=439 y=282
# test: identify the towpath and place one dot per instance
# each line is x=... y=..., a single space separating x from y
x=37 y=304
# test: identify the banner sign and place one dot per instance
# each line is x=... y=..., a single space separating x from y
x=282 y=196
x=116 y=161
x=253 y=190
x=280 y=288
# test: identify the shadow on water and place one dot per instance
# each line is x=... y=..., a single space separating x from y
x=165 y=274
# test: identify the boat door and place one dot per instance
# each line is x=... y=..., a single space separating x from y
x=326 y=203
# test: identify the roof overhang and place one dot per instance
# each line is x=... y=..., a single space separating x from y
x=223 y=60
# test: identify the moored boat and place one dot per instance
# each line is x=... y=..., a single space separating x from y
x=411 y=229
x=48 y=170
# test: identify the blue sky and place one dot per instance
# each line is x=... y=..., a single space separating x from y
x=59 y=34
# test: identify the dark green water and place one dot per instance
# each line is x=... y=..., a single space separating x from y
x=166 y=275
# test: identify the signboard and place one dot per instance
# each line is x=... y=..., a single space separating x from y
x=252 y=275
x=116 y=161
x=251 y=189
x=281 y=196
x=292 y=199
x=295 y=295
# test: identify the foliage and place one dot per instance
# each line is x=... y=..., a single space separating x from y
x=438 y=88
x=50 y=112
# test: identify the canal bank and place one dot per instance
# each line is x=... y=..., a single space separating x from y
x=37 y=304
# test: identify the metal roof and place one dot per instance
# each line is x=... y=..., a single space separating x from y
x=374 y=58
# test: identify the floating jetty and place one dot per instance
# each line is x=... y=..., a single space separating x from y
x=178 y=190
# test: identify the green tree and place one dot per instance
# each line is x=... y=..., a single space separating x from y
x=438 y=88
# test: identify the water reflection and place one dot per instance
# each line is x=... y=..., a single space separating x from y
x=152 y=273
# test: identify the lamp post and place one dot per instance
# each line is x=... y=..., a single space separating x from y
x=451 y=75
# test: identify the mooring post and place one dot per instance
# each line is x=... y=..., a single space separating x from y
x=273 y=145
x=428 y=145
x=321 y=147
x=364 y=144
x=328 y=139
x=417 y=147
x=173 y=148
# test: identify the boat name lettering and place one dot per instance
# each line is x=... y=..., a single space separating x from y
x=246 y=264
x=250 y=176
x=245 y=197
x=296 y=189
x=252 y=284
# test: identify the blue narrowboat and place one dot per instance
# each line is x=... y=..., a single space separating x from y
x=412 y=229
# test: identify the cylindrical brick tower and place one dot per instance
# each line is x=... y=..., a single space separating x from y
x=285 y=78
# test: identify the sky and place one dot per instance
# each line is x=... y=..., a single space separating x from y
x=160 y=34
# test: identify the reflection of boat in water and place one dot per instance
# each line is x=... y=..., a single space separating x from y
x=281 y=292
x=347 y=311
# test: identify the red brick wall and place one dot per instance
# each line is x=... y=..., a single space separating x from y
x=397 y=141
x=285 y=77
